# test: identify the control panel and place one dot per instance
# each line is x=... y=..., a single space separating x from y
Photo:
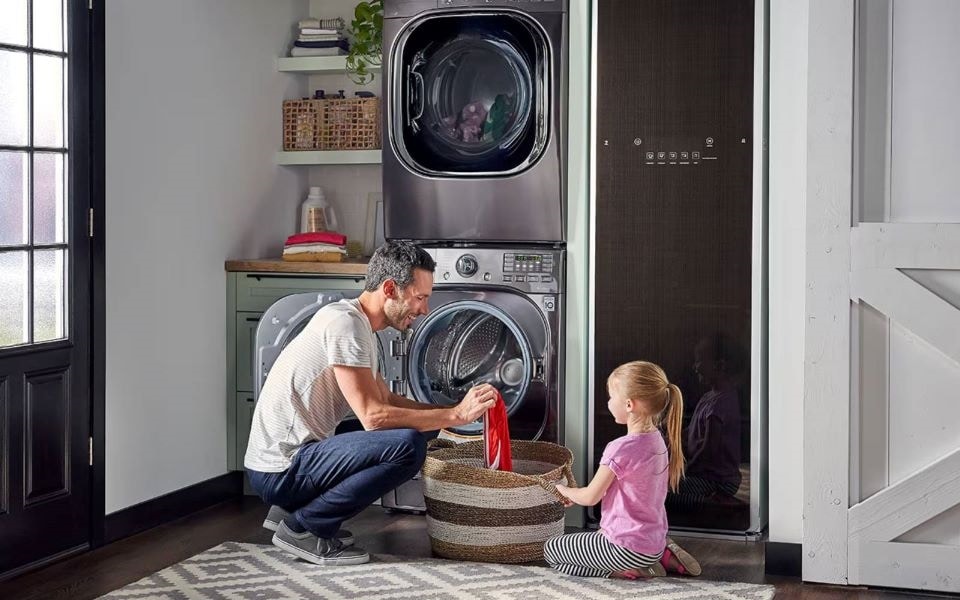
x=528 y=270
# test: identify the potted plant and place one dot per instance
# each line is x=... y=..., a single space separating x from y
x=366 y=44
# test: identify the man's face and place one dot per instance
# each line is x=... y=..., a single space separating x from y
x=404 y=305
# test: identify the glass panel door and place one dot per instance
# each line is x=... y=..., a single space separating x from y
x=49 y=465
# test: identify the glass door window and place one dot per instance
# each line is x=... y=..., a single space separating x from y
x=470 y=94
x=34 y=240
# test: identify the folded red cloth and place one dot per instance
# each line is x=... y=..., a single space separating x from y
x=317 y=237
x=496 y=437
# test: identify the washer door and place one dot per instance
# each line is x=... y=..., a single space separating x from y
x=285 y=319
x=498 y=340
x=470 y=93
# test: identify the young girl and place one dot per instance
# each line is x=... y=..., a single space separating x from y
x=632 y=480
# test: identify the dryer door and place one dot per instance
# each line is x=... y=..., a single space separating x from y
x=285 y=319
x=474 y=337
x=470 y=94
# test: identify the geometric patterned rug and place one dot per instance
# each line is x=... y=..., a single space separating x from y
x=234 y=571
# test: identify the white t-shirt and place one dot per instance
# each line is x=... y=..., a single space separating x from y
x=301 y=401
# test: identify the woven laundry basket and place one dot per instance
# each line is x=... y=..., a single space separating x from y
x=478 y=514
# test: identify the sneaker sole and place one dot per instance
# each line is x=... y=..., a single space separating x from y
x=656 y=570
x=686 y=559
x=319 y=560
x=271 y=525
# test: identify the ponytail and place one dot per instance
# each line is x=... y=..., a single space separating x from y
x=674 y=406
x=647 y=383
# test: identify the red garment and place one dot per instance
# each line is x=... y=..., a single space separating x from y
x=317 y=237
x=496 y=437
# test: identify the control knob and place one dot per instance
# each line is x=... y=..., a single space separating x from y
x=467 y=265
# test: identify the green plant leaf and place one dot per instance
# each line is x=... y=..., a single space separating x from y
x=366 y=32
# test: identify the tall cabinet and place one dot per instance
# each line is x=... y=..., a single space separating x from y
x=678 y=274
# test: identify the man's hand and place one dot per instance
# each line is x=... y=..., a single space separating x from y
x=477 y=401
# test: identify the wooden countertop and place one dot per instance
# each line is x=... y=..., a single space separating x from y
x=350 y=266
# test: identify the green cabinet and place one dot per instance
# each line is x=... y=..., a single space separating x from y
x=244 y=405
x=249 y=294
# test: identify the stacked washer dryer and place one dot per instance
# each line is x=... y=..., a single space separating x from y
x=473 y=170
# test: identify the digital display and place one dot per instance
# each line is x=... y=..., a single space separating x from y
x=529 y=258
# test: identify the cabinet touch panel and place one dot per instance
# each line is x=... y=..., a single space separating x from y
x=673 y=224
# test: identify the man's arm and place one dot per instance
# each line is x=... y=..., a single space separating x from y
x=377 y=412
x=401 y=401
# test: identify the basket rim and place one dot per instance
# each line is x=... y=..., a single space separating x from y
x=440 y=459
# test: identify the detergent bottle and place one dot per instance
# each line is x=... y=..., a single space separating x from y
x=316 y=213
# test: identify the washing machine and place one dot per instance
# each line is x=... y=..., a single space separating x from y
x=475 y=115
x=496 y=316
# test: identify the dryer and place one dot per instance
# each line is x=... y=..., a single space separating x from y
x=475 y=116
x=496 y=316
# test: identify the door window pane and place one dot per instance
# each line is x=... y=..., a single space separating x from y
x=470 y=101
x=13 y=98
x=13 y=198
x=48 y=101
x=34 y=199
x=49 y=206
x=13 y=298
x=49 y=294
x=48 y=18
x=13 y=22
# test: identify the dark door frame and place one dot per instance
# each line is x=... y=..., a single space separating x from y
x=98 y=331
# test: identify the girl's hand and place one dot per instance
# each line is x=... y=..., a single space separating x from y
x=564 y=491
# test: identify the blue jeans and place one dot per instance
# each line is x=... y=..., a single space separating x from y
x=332 y=480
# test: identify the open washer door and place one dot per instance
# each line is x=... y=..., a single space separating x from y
x=285 y=319
x=498 y=338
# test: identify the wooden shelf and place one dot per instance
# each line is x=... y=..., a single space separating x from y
x=316 y=65
x=330 y=157
x=349 y=266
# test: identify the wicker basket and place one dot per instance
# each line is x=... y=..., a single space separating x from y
x=474 y=513
x=336 y=124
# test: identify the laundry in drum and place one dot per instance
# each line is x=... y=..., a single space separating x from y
x=472 y=118
x=498 y=117
x=475 y=123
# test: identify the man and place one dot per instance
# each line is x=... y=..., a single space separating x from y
x=314 y=479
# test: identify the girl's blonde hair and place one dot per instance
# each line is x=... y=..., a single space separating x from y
x=647 y=384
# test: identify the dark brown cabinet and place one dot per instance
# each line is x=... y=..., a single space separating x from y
x=675 y=231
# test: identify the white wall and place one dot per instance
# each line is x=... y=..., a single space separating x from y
x=787 y=218
x=193 y=106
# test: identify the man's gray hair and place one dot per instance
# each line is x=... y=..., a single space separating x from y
x=396 y=261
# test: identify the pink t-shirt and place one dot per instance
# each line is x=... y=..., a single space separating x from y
x=632 y=510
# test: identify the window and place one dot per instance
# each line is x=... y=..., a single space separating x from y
x=33 y=172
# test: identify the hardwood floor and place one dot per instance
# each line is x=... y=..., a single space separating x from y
x=115 y=565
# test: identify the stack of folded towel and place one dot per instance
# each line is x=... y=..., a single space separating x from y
x=320 y=37
x=319 y=246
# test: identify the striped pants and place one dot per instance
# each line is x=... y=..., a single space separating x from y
x=589 y=554
x=694 y=491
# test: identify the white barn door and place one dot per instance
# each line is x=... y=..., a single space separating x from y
x=882 y=484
